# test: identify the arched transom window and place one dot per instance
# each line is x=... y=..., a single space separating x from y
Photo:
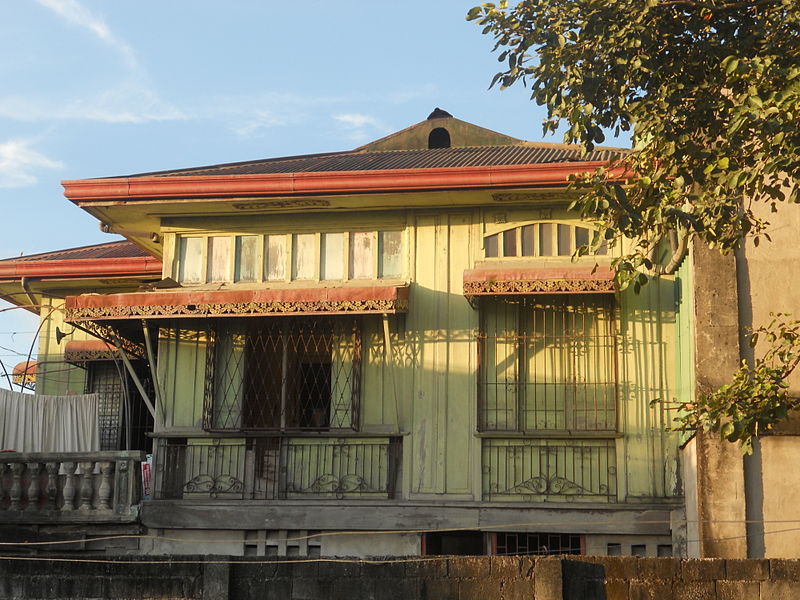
x=539 y=239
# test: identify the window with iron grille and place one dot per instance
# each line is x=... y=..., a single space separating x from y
x=107 y=382
x=512 y=543
x=123 y=420
x=547 y=363
x=283 y=374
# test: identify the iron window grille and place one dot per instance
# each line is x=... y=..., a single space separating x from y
x=283 y=374
x=547 y=364
x=123 y=420
x=543 y=544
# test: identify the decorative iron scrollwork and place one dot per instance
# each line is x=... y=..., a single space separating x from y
x=338 y=486
x=214 y=485
x=549 y=484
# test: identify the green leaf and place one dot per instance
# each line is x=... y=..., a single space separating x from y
x=730 y=64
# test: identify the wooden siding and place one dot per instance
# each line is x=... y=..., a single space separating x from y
x=424 y=389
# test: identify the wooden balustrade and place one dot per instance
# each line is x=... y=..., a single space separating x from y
x=70 y=487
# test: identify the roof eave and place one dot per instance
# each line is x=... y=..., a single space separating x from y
x=87 y=191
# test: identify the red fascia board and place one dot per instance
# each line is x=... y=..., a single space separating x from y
x=185 y=297
x=334 y=182
x=139 y=266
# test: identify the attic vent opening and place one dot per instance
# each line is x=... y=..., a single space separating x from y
x=439 y=138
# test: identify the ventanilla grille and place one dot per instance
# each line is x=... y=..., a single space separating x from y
x=283 y=374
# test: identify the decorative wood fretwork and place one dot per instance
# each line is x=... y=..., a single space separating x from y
x=110 y=335
x=81 y=356
x=539 y=286
x=288 y=203
x=238 y=309
x=531 y=197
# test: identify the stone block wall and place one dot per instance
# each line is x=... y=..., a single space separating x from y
x=699 y=579
x=69 y=577
x=453 y=578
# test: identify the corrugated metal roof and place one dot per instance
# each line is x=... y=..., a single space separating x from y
x=474 y=156
x=121 y=249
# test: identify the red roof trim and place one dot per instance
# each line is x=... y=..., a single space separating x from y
x=283 y=184
x=82 y=268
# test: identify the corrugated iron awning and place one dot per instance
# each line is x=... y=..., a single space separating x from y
x=237 y=303
x=24 y=373
x=80 y=351
x=488 y=281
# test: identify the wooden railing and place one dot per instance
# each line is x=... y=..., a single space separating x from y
x=70 y=487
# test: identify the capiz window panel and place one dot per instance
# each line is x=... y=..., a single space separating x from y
x=283 y=374
x=547 y=363
x=255 y=258
x=539 y=240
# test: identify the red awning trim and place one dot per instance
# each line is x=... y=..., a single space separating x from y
x=567 y=280
x=331 y=182
x=237 y=303
x=89 y=350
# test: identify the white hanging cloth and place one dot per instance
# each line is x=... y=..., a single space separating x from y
x=31 y=423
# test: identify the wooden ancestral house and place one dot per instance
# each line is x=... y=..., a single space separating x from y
x=393 y=342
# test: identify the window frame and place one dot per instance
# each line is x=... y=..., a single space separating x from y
x=523 y=401
x=200 y=263
x=499 y=237
x=211 y=399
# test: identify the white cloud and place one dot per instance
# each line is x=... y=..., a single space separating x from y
x=18 y=161
x=130 y=98
x=260 y=120
x=357 y=120
x=361 y=127
x=126 y=103
x=75 y=13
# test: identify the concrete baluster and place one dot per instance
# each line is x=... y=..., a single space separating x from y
x=3 y=490
x=51 y=491
x=69 y=486
x=104 y=492
x=87 y=491
x=34 y=489
x=16 y=485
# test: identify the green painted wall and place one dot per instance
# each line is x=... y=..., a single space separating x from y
x=55 y=377
x=427 y=388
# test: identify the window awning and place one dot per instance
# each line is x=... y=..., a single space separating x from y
x=24 y=373
x=79 y=351
x=488 y=281
x=237 y=303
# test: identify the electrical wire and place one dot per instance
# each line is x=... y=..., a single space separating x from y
x=171 y=560
x=529 y=524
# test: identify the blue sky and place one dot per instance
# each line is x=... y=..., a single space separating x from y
x=96 y=88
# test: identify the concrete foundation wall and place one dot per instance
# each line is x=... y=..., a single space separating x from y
x=781 y=510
